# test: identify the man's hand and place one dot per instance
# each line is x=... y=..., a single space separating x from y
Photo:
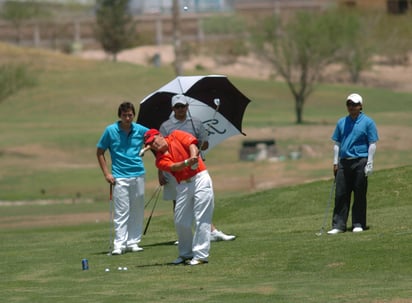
x=335 y=169
x=110 y=179
x=162 y=178
x=193 y=162
x=368 y=168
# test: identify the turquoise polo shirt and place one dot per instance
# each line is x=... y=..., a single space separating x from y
x=355 y=136
x=124 y=149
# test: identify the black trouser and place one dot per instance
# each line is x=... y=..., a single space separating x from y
x=350 y=178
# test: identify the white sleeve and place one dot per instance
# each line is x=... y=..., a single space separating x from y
x=371 y=151
x=336 y=148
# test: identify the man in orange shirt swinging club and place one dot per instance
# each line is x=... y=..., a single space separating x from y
x=178 y=154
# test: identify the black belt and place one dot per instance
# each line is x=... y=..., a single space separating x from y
x=351 y=159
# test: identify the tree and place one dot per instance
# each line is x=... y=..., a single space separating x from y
x=115 y=28
x=299 y=49
x=177 y=40
x=234 y=30
x=358 y=44
x=393 y=36
x=19 y=12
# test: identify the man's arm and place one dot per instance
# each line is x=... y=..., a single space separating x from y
x=161 y=177
x=103 y=166
x=193 y=158
x=371 y=153
x=336 y=148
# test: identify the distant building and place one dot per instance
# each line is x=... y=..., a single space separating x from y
x=141 y=7
x=391 y=6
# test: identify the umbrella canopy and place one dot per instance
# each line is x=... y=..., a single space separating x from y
x=212 y=99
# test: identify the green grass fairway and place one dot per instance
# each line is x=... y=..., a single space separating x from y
x=276 y=258
x=48 y=136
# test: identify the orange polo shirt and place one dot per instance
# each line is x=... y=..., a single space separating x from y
x=178 y=150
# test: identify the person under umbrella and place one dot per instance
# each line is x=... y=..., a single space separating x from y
x=178 y=154
x=182 y=121
x=212 y=99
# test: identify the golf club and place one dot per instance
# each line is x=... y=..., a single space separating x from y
x=156 y=195
x=111 y=209
x=143 y=150
x=322 y=229
x=151 y=198
x=191 y=121
x=216 y=101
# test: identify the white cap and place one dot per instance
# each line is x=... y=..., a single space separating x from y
x=355 y=98
x=179 y=99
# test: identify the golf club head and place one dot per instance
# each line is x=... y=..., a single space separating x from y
x=143 y=150
x=320 y=232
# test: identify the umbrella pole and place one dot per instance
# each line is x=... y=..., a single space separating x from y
x=196 y=134
x=217 y=103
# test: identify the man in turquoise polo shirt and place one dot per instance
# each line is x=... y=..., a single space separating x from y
x=124 y=140
x=355 y=138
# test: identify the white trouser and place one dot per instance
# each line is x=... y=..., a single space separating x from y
x=194 y=204
x=128 y=198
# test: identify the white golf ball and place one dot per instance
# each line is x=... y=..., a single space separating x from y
x=107 y=269
x=124 y=268
x=185 y=7
x=119 y=268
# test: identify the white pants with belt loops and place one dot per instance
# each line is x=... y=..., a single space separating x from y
x=128 y=198
x=194 y=205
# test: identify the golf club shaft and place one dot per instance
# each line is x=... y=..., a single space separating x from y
x=156 y=194
x=327 y=207
x=208 y=128
x=195 y=132
x=153 y=195
x=111 y=210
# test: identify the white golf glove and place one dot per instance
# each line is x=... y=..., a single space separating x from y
x=368 y=168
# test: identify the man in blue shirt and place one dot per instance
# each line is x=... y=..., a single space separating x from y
x=355 y=139
x=124 y=140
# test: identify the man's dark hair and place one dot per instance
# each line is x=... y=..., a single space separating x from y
x=125 y=106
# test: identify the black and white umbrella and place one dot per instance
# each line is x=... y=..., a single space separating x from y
x=213 y=99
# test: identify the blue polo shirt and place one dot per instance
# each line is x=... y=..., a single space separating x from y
x=124 y=149
x=355 y=136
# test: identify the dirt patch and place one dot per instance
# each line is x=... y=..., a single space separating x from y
x=316 y=155
x=381 y=75
x=60 y=220
x=53 y=220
